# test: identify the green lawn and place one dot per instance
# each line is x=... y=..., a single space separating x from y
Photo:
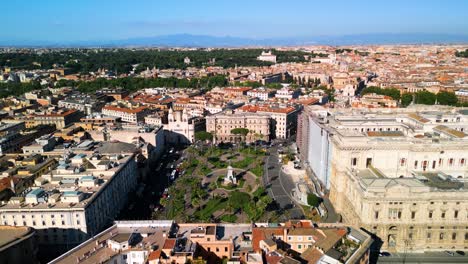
x=210 y=207
x=229 y=218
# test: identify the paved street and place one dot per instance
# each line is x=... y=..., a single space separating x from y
x=157 y=180
x=280 y=185
x=429 y=257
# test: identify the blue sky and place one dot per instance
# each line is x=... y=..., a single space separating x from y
x=81 y=20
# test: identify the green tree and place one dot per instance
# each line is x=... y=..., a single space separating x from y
x=313 y=200
x=203 y=136
x=406 y=99
x=425 y=97
x=447 y=98
x=240 y=131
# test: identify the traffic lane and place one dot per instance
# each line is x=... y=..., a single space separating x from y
x=275 y=188
x=427 y=257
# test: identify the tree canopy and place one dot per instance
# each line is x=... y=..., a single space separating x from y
x=123 y=60
x=462 y=54
x=203 y=136
x=447 y=98
x=240 y=131
x=313 y=200
x=135 y=83
x=392 y=92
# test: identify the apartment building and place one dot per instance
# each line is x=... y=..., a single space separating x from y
x=284 y=118
x=165 y=241
x=400 y=174
x=60 y=118
x=261 y=93
x=74 y=201
x=130 y=115
x=221 y=125
x=87 y=104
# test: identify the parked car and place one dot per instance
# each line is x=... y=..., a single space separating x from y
x=461 y=253
x=384 y=254
x=450 y=253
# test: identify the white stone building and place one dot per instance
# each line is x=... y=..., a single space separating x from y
x=400 y=173
x=181 y=127
x=267 y=56
x=76 y=200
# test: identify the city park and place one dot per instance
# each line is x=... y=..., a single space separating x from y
x=220 y=183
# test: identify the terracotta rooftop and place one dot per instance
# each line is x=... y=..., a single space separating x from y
x=256 y=108
x=311 y=255
x=154 y=255
x=450 y=131
x=169 y=243
x=418 y=118
x=126 y=110
x=262 y=233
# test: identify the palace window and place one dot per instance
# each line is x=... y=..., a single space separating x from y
x=402 y=162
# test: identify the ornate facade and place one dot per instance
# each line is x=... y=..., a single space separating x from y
x=400 y=174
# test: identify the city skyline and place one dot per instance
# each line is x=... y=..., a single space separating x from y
x=60 y=22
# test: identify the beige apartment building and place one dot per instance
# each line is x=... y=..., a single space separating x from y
x=222 y=123
x=400 y=174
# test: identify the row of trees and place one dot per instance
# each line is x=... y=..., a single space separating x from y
x=16 y=89
x=428 y=98
x=121 y=60
x=421 y=97
x=133 y=84
x=240 y=132
x=392 y=92
x=463 y=54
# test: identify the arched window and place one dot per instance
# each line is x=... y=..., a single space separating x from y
x=462 y=162
x=402 y=162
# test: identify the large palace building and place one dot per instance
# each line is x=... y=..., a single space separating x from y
x=399 y=173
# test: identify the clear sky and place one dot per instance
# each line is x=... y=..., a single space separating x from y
x=76 y=20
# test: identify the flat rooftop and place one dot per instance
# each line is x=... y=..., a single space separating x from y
x=9 y=234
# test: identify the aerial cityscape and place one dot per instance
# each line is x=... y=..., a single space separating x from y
x=250 y=132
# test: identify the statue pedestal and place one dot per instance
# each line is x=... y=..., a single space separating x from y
x=230 y=177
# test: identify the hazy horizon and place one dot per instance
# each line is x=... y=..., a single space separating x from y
x=55 y=21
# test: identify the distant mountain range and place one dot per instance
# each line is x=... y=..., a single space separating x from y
x=188 y=40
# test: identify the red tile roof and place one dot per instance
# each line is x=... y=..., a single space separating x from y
x=169 y=243
x=154 y=255
x=262 y=233
x=126 y=110
x=256 y=108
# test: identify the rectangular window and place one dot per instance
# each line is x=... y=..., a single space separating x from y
x=376 y=214
x=455 y=214
x=353 y=161
x=442 y=215
x=413 y=214
x=454 y=236
x=430 y=214
x=428 y=235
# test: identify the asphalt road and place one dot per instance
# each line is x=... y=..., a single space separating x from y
x=279 y=185
x=427 y=258
x=140 y=208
